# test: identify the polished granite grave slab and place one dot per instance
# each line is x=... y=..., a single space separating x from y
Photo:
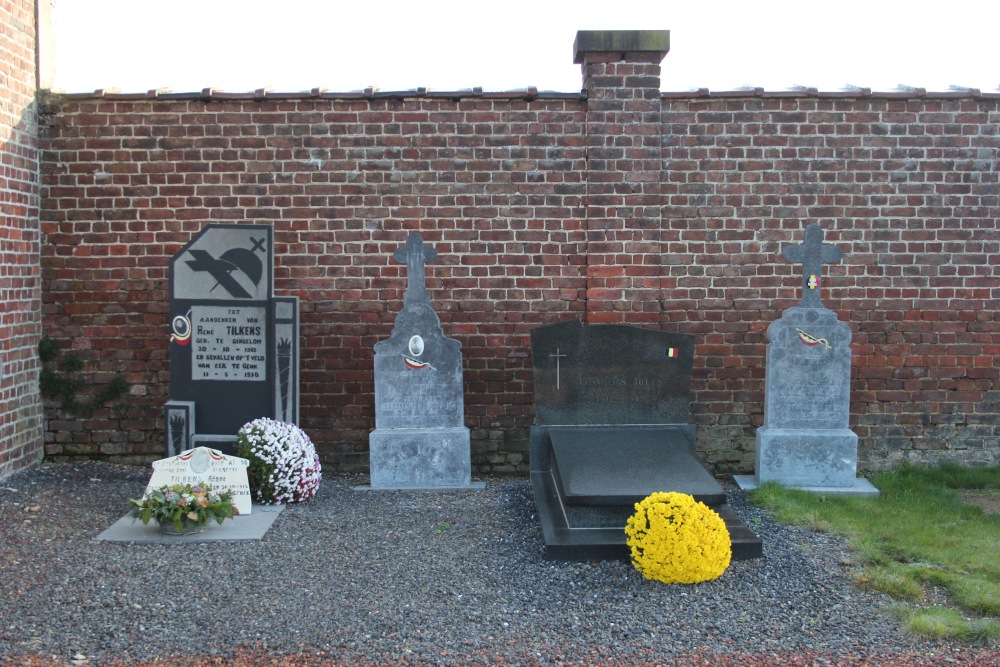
x=584 y=518
x=613 y=426
x=589 y=476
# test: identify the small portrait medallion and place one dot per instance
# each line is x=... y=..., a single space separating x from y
x=416 y=346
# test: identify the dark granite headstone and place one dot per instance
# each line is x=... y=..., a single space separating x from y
x=420 y=439
x=806 y=441
x=611 y=375
x=234 y=346
x=612 y=415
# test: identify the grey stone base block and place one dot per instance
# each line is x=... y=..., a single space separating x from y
x=411 y=458
x=252 y=526
x=807 y=457
x=473 y=486
x=861 y=487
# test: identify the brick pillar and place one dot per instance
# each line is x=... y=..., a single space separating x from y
x=621 y=76
x=21 y=419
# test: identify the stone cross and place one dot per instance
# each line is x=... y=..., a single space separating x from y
x=415 y=254
x=812 y=255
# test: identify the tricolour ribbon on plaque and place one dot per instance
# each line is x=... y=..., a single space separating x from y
x=812 y=341
x=415 y=365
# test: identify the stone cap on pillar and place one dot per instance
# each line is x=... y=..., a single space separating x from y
x=620 y=41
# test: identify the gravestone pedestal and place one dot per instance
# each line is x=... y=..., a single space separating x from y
x=806 y=441
x=421 y=458
x=612 y=427
x=420 y=439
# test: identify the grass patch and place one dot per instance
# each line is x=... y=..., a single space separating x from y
x=917 y=536
x=947 y=623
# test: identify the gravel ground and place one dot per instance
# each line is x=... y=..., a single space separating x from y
x=395 y=578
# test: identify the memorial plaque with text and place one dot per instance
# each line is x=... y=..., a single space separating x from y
x=205 y=466
x=230 y=343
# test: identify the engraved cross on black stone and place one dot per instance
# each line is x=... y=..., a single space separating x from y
x=557 y=357
x=812 y=255
x=415 y=254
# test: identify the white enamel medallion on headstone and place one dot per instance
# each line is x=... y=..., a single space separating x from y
x=416 y=346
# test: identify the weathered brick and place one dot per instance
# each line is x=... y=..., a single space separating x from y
x=21 y=418
x=624 y=207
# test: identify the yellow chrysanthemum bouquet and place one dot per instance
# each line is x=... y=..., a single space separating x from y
x=678 y=540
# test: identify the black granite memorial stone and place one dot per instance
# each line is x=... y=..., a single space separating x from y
x=612 y=425
x=234 y=346
x=611 y=375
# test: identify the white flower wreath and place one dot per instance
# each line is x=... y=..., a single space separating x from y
x=284 y=466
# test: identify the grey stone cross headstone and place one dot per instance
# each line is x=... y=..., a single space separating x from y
x=415 y=254
x=420 y=439
x=812 y=254
x=806 y=441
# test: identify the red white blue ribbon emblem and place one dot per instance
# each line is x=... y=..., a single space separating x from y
x=181 y=329
x=415 y=365
x=812 y=341
x=214 y=454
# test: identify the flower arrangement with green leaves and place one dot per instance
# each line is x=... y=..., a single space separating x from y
x=675 y=539
x=183 y=505
x=284 y=466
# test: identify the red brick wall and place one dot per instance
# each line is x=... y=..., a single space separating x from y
x=495 y=184
x=21 y=422
x=908 y=188
x=624 y=168
x=622 y=205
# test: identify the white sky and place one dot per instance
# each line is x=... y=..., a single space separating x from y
x=345 y=45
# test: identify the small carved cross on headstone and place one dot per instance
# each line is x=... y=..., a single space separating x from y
x=415 y=254
x=557 y=357
x=812 y=255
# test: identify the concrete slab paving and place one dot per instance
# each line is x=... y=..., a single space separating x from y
x=861 y=487
x=473 y=486
x=244 y=527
